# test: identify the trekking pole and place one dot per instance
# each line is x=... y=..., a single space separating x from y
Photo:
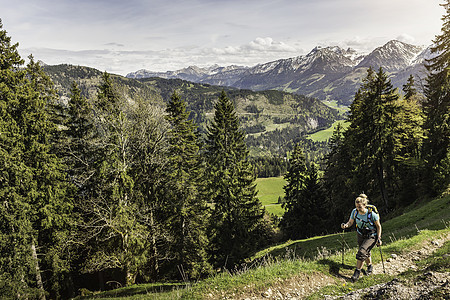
x=382 y=261
x=343 y=247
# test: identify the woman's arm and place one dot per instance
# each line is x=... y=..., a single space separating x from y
x=378 y=226
x=348 y=224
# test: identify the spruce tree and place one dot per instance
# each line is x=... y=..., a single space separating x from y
x=295 y=207
x=185 y=207
x=337 y=178
x=436 y=107
x=409 y=137
x=78 y=140
x=15 y=262
x=53 y=204
x=237 y=211
x=370 y=135
x=36 y=205
x=409 y=88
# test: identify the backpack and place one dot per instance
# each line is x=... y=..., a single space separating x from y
x=370 y=209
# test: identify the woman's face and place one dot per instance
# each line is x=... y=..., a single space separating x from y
x=359 y=206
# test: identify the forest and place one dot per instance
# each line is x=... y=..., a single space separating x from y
x=107 y=189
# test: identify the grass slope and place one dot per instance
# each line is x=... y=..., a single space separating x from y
x=319 y=257
x=269 y=190
x=324 y=135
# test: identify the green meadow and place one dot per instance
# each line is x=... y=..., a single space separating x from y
x=269 y=190
x=323 y=135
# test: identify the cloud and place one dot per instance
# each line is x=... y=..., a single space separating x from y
x=115 y=44
x=358 y=43
x=116 y=59
x=262 y=46
x=406 y=38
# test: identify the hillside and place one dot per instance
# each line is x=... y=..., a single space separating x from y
x=415 y=260
x=273 y=120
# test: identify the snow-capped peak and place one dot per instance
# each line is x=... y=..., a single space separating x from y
x=392 y=56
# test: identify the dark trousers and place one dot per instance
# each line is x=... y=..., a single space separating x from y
x=365 y=243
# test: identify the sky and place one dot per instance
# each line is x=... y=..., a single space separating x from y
x=122 y=36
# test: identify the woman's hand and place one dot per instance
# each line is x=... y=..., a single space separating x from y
x=379 y=242
x=348 y=224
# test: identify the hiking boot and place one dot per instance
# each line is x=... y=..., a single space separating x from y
x=369 y=269
x=355 y=275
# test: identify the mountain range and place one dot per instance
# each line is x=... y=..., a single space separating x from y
x=326 y=73
x=272 y=120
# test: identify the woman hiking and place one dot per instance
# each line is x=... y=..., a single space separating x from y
x=368 y=227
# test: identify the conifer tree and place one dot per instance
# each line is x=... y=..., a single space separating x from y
x=295 y=207
x=237 y=211
x=437 y=112
x=371 y=135
x=409 y=138
x=337 y=178
x=316 y=217
x=54 y=195
x=186 y=209
x=36 y=205
x=78 y=142
x=15 y=245
x=409 y=88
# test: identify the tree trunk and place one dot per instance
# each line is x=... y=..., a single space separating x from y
x=155 y=249
x=101 y=281
x=130 y=276
x=381 y=184
x=38 y=272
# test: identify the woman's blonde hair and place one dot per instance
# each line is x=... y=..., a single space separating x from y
x=362 y=198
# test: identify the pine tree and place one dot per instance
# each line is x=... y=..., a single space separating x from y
x=36 y=210
x=408 y=138
x=295 y=208
x=316 y=221
x=409 y=88
x=15 y=242
x=237 y=211
x=337 y=178
x=78 y=140
x=370 y=135
x=55 y=193
x=187 y=210
x=437 y=112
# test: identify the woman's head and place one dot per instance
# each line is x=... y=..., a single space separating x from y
x=362 y=200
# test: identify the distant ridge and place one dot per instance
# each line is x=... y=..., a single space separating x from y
x=327 y=73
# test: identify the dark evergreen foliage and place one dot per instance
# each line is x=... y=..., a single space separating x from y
x=409 y=88
x=379 y=153
x=437 y=112
x=371 y=136
x=35 y=216
x=304 y=200
x=237 y=211
x=269 y=166
x=337 y=178
x=186 y=209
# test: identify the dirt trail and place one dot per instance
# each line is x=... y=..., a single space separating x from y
x=397 y=264
x=303 y=285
